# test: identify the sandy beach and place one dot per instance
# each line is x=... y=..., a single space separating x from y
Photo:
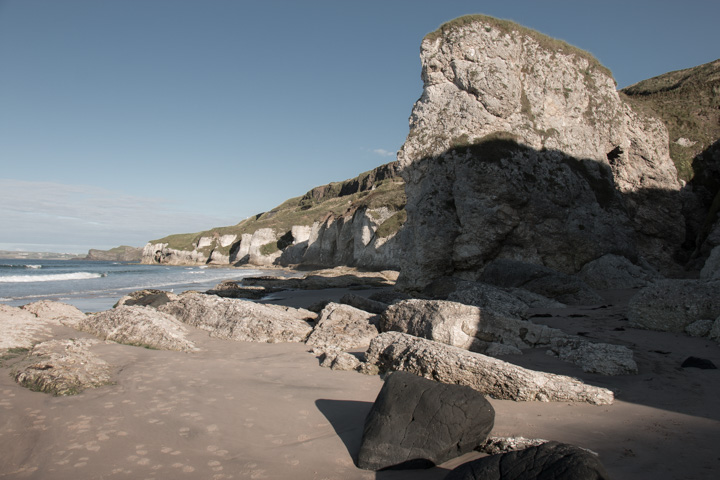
x=248 y=410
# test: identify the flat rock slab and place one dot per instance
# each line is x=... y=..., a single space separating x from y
x=55 y=312
x=551 y=461
x=22 y=327
x=139 y=326
x=392 y=351
x=418 y=423
x=241 y=320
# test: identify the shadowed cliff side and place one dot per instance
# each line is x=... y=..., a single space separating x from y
x=688 y=102
x=521 y=147
x=498 y=198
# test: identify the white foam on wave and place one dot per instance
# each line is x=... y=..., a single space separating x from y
x=51 y=278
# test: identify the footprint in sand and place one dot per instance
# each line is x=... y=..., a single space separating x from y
x=92 y=446
x=214 y=449
x=185 y=468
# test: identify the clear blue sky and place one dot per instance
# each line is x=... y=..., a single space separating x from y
x=123 y=121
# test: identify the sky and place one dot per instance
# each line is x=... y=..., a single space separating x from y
x=123 y=121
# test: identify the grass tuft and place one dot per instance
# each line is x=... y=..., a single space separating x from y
x=508 y=27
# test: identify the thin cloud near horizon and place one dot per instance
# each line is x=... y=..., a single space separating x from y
x=80 y=217
x=384 y=153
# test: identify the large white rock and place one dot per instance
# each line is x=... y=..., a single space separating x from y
x=63 y=367
x=464 y=326
x=342 y=327
x=241 y=320
x=139 y=326
x=393 y=351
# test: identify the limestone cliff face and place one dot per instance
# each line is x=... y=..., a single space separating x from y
x=352 y=223
x=118 y=254
x=206 y=250
x=688 y=101
x=521 y=147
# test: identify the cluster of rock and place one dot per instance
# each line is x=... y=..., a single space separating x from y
x=445 y=340
x=437 y=354
x=59 y=366
x=689 y=306
x=418 y=423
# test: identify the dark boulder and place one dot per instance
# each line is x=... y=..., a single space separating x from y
x=418 y=423
x=549 y=461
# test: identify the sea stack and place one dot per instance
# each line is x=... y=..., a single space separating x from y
x=520 y=147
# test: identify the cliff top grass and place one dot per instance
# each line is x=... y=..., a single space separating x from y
x=688 y=102
x=508 y=26
x=305 y=210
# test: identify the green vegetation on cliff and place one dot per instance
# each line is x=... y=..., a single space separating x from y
x=508 y=26
x=381 y=187
x=688 y=102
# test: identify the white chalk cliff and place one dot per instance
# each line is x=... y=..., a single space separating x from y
x=520 y=147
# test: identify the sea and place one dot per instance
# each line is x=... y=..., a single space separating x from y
x=94 y=286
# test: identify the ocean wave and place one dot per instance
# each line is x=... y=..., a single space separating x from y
x=51 y=278
x=9 y=265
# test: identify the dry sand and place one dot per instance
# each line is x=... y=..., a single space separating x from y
x=243 y=410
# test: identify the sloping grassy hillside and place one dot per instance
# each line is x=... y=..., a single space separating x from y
x=381 y=187
x=688 y=101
